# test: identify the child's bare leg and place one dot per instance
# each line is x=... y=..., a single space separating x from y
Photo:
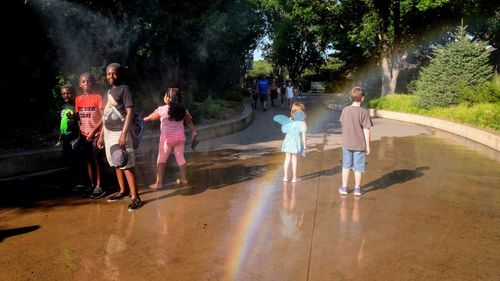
x=294 y=165
x=183 y=179
x=357 y=179
x=121 y=179
x=285 y=166
x=160 y=172
x=98 y=173
x=90 y=172
x=345 y=177
x=130 y=175
x=181 y=162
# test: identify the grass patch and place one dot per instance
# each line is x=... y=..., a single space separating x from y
x=212 y=109
x=484 y=115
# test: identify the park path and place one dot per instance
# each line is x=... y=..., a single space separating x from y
x=430 y=212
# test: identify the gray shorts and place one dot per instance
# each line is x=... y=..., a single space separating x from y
x=111 y=138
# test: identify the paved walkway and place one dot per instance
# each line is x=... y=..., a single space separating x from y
x=431 y=211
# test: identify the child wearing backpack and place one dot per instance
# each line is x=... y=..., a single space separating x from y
x=173 y=116
x=116 y=137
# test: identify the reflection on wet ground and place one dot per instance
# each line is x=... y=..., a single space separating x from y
x=430 y=212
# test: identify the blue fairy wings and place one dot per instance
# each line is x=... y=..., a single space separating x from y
x=282 y=119
x=292 y=125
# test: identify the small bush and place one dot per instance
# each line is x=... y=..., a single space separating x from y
x=489 y=93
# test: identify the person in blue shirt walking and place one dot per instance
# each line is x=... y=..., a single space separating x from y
x=263 y=86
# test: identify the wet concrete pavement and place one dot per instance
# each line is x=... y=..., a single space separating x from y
x=431 y=211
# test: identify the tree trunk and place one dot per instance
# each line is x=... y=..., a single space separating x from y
x=391 y=66
x=386 y=75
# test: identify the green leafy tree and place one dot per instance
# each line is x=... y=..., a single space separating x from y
x=458 y=65
x=297 y=33
x=260 y=68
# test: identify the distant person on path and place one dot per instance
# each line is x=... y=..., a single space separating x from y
x=274 y=93
x=173 y=116
x=68 y=138
x=116 y=138
x=89 y=107
x=300 y=89
x=263 y=91
x=289 y=94
x=356 y=124
x=295 y=140
x=283 y=93
x=252 y=89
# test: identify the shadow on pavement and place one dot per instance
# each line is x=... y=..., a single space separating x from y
x=327 y=172
x=396 y=176
x=5 y=233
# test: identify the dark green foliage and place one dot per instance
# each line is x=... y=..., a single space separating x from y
x=488 y=93
x=199 y=46
x=461 y=64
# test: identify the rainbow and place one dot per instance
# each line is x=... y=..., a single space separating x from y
x=253 y=213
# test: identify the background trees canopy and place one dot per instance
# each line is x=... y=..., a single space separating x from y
x=297 y=32
x=388 y=31
x=202 y=46
x=199 y=46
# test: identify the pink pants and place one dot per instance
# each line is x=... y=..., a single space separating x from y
x=166 y=147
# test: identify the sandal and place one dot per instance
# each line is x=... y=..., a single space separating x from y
x=179 y=181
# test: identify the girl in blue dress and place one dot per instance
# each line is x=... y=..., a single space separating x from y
x=295 y=139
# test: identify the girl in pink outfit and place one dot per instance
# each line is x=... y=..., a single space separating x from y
x=173 y=116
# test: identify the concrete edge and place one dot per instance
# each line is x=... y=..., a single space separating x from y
x=25 y=163
x=478 y=135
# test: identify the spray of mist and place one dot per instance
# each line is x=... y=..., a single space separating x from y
x=84 y=38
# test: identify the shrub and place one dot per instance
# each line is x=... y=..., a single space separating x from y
x=489 y=93
x=485 y=115
x=395 y=102
x=458 y=65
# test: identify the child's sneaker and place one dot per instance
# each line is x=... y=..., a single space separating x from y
x=343 y=190
x=118 y=196
x=97 y=193
x=88 y=191
x=136 y=204
x=358 y=191
x=79 y=188
x=296 y=179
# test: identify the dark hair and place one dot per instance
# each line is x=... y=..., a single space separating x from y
x=69 y=87
x=357 y=93
x=116 y=66
x=89 y=75
x=176 y=110
x=120 y=73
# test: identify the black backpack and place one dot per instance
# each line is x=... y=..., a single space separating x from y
x=137 y=129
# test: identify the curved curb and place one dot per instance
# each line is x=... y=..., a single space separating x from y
x=18 y=165
x=481 y=136
x=206 y=132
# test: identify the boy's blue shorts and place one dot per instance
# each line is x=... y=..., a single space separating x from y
x=353 y=159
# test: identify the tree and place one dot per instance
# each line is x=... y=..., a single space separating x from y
x=260 y=68
x=458 y=65
x=296 y=29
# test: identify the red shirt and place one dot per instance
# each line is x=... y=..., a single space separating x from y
x=89 y=107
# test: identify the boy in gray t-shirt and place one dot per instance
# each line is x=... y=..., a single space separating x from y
x=356 y=124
